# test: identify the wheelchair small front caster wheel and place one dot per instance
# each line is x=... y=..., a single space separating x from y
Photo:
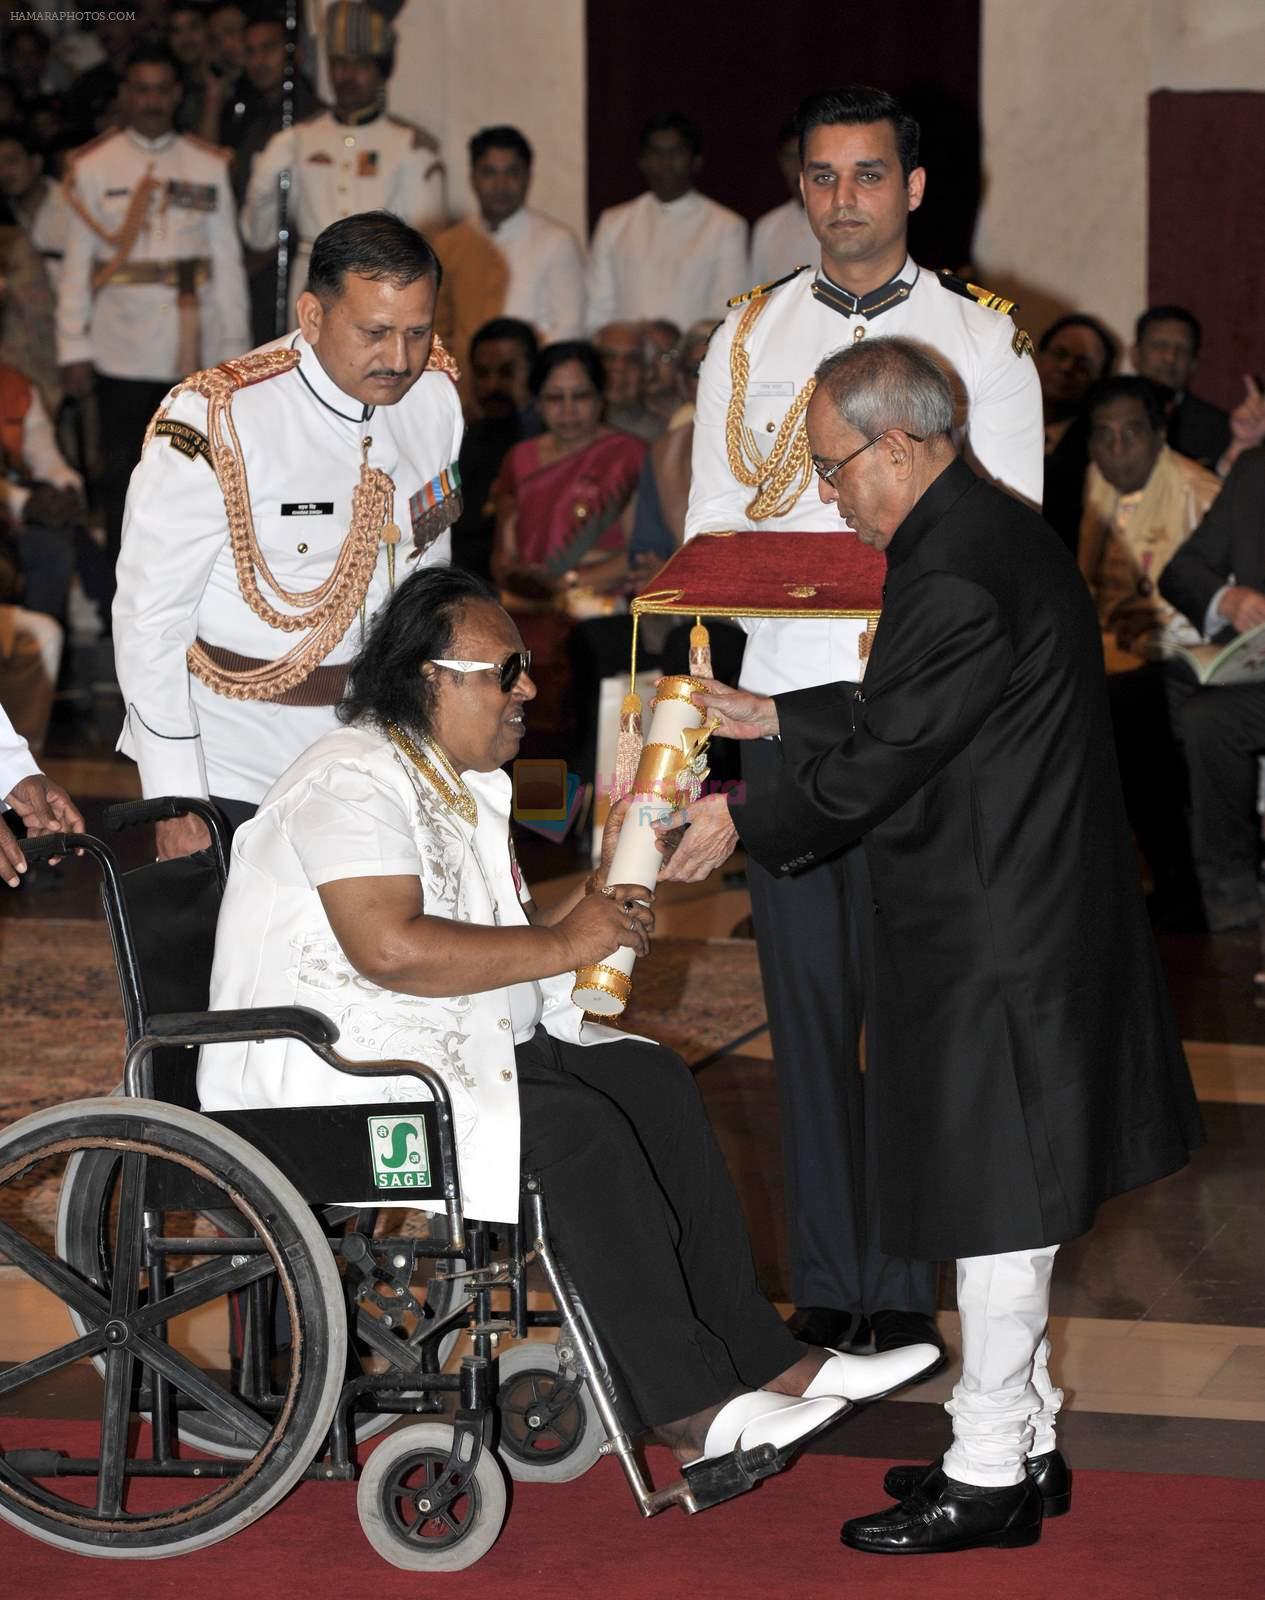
x=542 y=1441
x=399 y=1513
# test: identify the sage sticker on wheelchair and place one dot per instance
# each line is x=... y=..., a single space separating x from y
x=397 y=1147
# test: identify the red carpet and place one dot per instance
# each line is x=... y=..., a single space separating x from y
x=1130 y=1537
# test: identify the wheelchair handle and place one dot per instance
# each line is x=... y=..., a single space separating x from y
x=135 y=813
x=49 y=845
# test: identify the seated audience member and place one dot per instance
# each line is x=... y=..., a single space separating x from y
x=28 y=317
x=508 y=260
x=501 y=357
x=1073 y=353
x=38 y=202
x=565 y=498
x=782 y=239
x=1166 y=350
x=384 y=857
x=1142 y=501
x=1217 y=581
x=661 y=392
x=622 y=348
x=664 y=490
x=264 y=69
x=671 y=252
x=42 y=805
x=41 y=496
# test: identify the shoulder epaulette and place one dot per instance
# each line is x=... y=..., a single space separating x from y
x=76 y=155
x=242 y=371
x=443 y=360
x=207 y=148
x=422 y=140
x=972 y=291
x=765 y=288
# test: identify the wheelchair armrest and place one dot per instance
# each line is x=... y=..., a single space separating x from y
x=224 y=1027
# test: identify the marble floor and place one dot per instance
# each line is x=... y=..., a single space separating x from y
x=1158 y=1314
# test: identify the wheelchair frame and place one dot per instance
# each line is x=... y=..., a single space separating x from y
x=412 y=1385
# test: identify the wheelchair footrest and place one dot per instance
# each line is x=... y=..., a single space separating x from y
x=723 y=1477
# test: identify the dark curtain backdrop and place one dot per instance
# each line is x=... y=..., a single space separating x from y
x=1206 y=228
x=740 y=70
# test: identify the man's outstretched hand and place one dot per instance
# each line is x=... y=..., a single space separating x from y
x=705 y=839
x=737 y=714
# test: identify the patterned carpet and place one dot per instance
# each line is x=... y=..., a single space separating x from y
x=61 y=1036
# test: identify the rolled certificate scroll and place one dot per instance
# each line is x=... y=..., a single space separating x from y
x=670 y=774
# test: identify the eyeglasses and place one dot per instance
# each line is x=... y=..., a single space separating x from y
x=827 y=470
x=511 y=669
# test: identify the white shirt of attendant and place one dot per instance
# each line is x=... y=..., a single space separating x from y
x=41 y=461
x=132 y=330
x=16 y=760
x=338 y=169
x=781 y=241
x=1004 y=436
x=300 y=437
x=352 y=807
x=546 y=287
x=678 y=259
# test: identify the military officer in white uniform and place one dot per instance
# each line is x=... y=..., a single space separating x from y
x=860 y=179
x=152 y=284
x=276 y=501
x=355 y=157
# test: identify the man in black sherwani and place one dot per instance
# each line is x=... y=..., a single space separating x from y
x=1029 y=1065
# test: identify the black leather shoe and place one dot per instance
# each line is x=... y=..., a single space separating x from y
x=825 y=1327
x=942 y=1515
x=1050 y=1473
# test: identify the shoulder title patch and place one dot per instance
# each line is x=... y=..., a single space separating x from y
x=972 y=291
x=189 y=441
x=765 y=288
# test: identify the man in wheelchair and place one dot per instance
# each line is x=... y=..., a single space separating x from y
x=378 y=883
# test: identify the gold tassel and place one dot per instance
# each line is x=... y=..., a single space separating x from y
x=866 y=642
x=700 y=651
x=628 y=746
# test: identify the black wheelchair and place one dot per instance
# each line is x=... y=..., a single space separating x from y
x=253 y=1325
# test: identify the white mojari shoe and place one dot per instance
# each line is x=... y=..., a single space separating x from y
x=871 y=1377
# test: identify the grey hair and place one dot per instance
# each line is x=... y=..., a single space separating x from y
x=877 y=384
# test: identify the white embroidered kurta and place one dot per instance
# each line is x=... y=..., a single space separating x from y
x=546 y=286
x=353 y=807
x=781 y=241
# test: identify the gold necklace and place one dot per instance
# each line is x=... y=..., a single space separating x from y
x=439 y=772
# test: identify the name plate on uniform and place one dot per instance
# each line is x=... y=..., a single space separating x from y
x=192 y=196
x=308 y=508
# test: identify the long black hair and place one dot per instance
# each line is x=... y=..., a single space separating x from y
x=385 y=681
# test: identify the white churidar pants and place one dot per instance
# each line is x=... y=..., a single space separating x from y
x=1004 y=1405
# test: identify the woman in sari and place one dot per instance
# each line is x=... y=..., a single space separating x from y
x=565 y=499
x=565 y=503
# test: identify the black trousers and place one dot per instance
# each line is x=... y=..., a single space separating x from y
x=816 y=941
x=1223 y=733
x=644 y=1214
x=1145 y=705
x=125 y=406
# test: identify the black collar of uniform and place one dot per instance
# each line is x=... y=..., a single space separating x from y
x=935 y=503
x=892 y=293
x=321 y=381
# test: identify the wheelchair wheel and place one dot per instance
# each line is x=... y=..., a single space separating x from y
x=391 y=1502
x=149 y=1317
x=86 y=1210
x=542 y=1441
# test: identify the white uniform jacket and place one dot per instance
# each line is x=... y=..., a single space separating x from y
x=132 y=330
x=16 y=760
x=679 y=260
x=300 y=437
x=793 y=334
x=351 y=806
x=338 y=169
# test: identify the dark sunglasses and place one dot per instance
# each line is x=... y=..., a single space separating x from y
x=511 y=669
